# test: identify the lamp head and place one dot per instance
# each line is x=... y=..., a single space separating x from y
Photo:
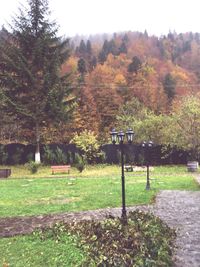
x=129 y=135
x=120 y=136
x=114 y=134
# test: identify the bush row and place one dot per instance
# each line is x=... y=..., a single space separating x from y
x=50 y=154
x=12 y=154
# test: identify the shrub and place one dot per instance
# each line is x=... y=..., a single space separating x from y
x=102 y=157
x=60 y=157
x=33 y=166
x=30 y=157
x=49 y=156
x=17 y=156
x=79 y=162
x=141 y=159
x=88 y=144
x=144 y=241
x=3 y=155
x=70 y=159
x=118 y=156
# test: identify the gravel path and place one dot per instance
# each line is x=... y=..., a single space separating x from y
x=179 y=209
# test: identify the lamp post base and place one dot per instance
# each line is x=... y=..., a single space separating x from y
x=148 y=187
x=124 y=217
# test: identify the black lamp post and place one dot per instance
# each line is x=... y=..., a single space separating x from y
x=120 y=136
x=147 y=146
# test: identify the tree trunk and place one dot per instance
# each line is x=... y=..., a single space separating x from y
x=37 y=151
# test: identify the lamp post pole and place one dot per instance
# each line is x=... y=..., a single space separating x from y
x=123 y=183
x=120 y=136
x=148 y=181
x=147 y=146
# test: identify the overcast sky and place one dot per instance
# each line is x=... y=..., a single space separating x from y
x=86 y=17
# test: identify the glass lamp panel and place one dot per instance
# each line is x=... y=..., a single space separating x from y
x=129 y=135
x=150 y=143
x=113 y=134
x=144 y=144
x=120 y=136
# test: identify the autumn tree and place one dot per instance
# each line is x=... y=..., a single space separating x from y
x=105 y=96
x=86 y=116
x=31 y=55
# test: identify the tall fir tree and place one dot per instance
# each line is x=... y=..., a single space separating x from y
x=169 y=85
x=82 y=68
x=123 y=48
x=135 y=65
x=82 y=48
x=31 y=56
x=89 y=48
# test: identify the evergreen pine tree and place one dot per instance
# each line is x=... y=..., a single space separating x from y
x=169 y=85
x=102 y=57
x=93 y=63
x=89 y=48
x=123 y=48
x=82 y=68
x=135 y=65
x=82 y=48
x=31 y=55
x=112 y=48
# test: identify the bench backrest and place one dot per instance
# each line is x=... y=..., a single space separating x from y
x=61 y=167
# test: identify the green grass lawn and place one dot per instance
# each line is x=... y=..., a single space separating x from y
x=30 y=251
x=97 y=187
x=144 y=241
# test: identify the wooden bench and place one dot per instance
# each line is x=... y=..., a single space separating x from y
x=63 y=168
x=5 y=173
x=128 y=168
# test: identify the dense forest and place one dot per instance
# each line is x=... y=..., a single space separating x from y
x=108 y=71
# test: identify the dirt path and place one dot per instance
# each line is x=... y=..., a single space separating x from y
x=179 y=209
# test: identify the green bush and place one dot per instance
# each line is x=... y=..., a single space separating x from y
x=33 y=166
x=102 y=157
x=49 y=156
x=30 y=157
x=3 y=155
x=119 y=156
x=17 y=156
x=70 y=157
x=60 y=157
x=79 y=162
x=144 y=241
x=141 y=159
x=88 y=144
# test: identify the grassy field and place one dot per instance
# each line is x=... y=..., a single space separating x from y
x=97 y=187
x=30 y=251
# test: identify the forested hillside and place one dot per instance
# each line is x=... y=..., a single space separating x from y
x=107 y=71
